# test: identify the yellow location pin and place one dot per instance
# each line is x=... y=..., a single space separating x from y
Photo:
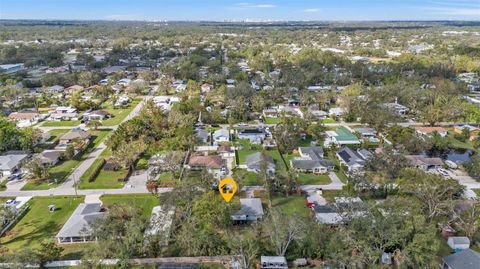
x=227 y=188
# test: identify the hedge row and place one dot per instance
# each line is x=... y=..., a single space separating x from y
x=94 y=170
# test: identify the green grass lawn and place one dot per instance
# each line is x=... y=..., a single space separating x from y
x=246 y=178
x=292 y=205
x=145 y=201
x=55 y=134
x=312 y=179
x=65 y=168
x=39 y=224
x=119 y=113
x=104 y=180
x=273 y=120
x=329 y=120
x=63 y=123
x=477 y=191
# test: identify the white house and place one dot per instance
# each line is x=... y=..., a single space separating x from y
x=221 y=135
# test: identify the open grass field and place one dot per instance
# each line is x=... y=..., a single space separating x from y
x=144 y=201
x=119 y=113
x=60 y=171
x=39 y=224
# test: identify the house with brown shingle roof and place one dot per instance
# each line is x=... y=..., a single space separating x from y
x=31 y=116
x=213 y=163
x=429 y=131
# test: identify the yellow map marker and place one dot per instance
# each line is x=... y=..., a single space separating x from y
x=227 y=188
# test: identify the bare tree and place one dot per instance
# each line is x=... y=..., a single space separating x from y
x=282 y=230
x=469 y=220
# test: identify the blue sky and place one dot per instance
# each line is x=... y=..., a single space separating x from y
x=241 y=9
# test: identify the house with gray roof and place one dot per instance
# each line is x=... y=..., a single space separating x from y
x=255 y=136
x=221 y=135
x=50 y=157
x=10 y=163
x=353 y=160
x=201 y=136
x=78 y=226
x=251 y=209
x=254 y=163
x=465 y=259
x=311 y=161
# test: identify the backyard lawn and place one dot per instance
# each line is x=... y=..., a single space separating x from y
x=119 y=113
x=39 y=224
x=273 y=120
x=312 y=179
x=246 y=178
x=292 y=205
x=144 y=201
x=63 y=123
x=64 y=168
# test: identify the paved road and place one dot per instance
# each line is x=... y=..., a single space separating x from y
x=71 y=191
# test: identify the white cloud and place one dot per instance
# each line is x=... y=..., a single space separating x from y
x=251 y=5
x=311 y=10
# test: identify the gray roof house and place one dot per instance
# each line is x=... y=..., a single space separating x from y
x=11 y=163
x=340 y=211
x=201 y=136
x=77 y=227
x=255 y=136
x=251 y=210
x=221 y=135
x=254 y=163
x=311 y=161
x=354 y=160
x=465 y=259
x=50 y=157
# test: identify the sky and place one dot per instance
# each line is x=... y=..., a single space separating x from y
x=220 y=10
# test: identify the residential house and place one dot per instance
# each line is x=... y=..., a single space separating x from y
x=11 y=68
x=336 y=111
x=290 y=111
x=429 y=131
x=251 y=209
x=311 y=161
x=294 y=102
x=63 y=113
x=160 y=223
x=255 y=136
x=122 y=101
x=96 y=115
x=465 y=259
x=319 y=114
x=458 y=242
x=396 y=108
x=74 y=89
x=76 y=135
x=124 y=82
x=25 y=115
x=212 y=163
x=273 y=262
x=353 y=160
x=366 y=132
x=270 y=113
x=55 y=89
x=472 y=131
x=11 y=163
x=50 y=157
x=78 y=226
x=226 y=151
x=424 y=163
x=341 y=136
x=165 y=102
x=254 y=163
x=340 y=211
x=201 y=136
x=220 y=136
